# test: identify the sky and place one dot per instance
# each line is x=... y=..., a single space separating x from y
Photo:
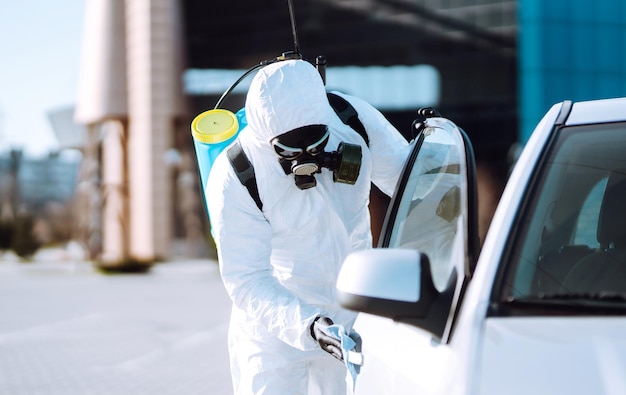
x=40 y=43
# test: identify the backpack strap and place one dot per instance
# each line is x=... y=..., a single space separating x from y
x=347 y=114
x=245 y=172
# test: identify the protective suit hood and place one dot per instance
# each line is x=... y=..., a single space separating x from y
x=284 y=96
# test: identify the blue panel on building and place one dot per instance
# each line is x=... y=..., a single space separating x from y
x=569 y=50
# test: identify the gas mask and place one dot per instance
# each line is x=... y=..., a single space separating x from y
x=301 y=152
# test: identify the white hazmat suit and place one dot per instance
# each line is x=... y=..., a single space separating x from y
x=279 y=266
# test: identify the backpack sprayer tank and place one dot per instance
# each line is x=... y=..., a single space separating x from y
x=212 y=131
x=215 y=129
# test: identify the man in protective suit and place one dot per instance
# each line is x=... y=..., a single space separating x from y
x=279 y=264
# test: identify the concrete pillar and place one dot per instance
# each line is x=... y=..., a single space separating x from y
x=102 y=80
x=88 y=225
x=102 y=105
x=130 y=90
x=154 y=102
x=115 y=195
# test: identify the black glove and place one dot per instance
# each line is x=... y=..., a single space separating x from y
x=328 y=343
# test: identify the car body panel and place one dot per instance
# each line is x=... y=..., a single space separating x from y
x=553 y=355
x=407 y=358
x=597 y=111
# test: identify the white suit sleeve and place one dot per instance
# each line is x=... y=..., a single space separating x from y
x=244 y=240
x=388 y=147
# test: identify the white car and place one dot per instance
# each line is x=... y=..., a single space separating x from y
x=541 y=308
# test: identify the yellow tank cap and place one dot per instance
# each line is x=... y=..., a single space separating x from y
x=214 y=126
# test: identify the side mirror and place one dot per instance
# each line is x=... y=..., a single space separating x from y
x=398 y=284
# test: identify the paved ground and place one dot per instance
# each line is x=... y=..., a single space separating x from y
x=67 y=329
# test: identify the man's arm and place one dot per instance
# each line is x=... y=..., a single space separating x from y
x=244 y=241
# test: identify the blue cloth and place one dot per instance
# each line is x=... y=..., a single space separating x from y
x=349 y=342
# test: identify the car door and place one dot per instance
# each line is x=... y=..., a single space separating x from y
x=409 y=289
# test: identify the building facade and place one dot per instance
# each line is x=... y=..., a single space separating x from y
x=501 y=64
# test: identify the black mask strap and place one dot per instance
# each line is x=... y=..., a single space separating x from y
x=286 y=165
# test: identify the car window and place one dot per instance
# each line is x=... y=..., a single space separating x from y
x=431 y=214
x=571 y=234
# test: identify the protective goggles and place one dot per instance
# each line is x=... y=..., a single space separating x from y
x=311 y=139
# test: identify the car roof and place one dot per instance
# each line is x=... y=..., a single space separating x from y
x=597 y=111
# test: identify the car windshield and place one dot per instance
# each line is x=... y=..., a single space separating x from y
x=570 y=242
